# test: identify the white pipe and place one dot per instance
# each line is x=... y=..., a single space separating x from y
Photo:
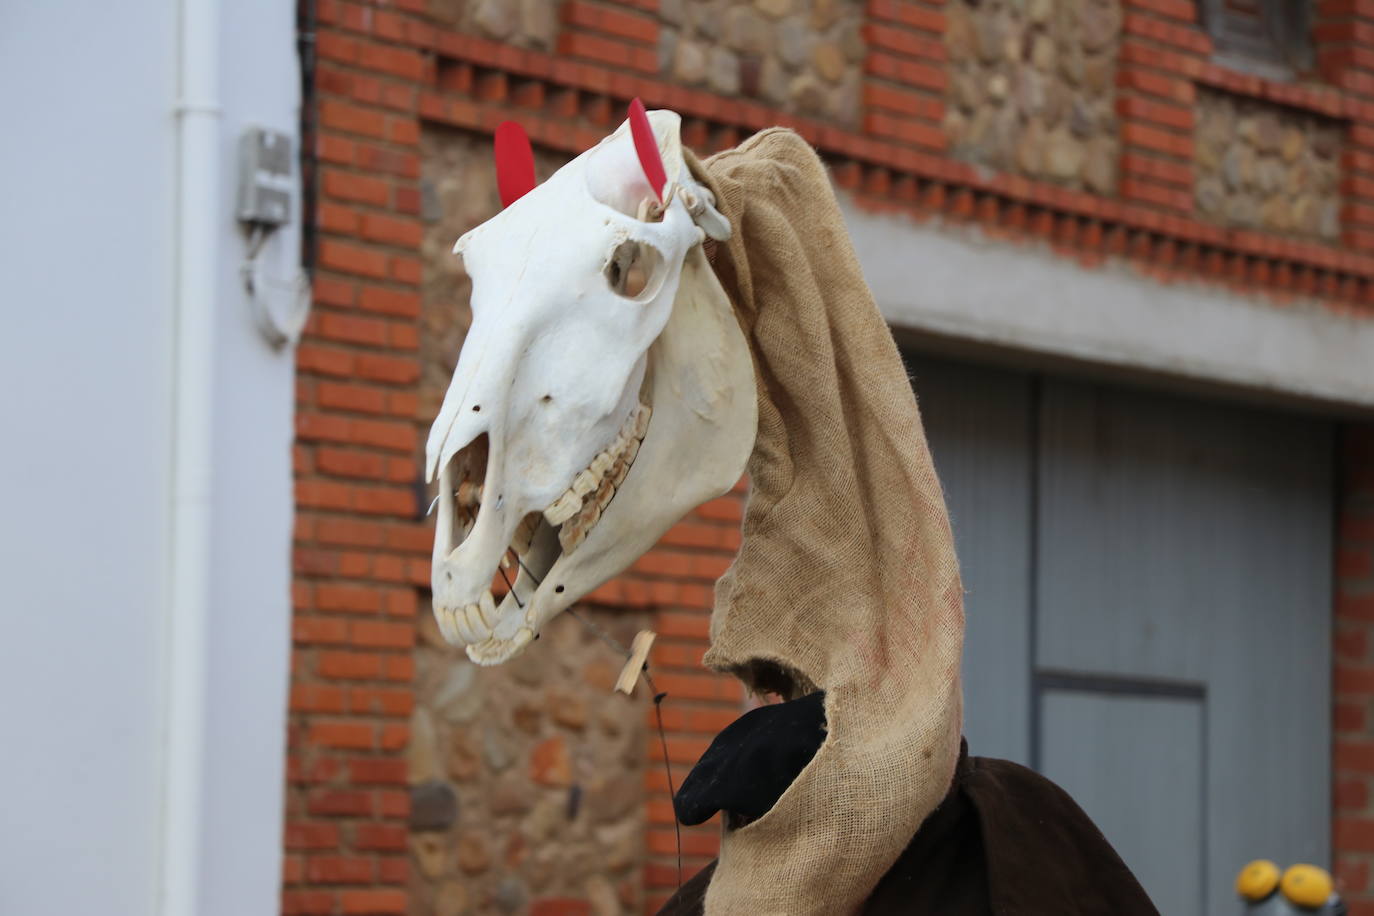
x=197 y=225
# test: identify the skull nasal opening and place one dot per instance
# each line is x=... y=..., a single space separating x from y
x=468 y=472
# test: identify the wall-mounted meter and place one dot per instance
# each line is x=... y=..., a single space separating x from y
x=265 y=177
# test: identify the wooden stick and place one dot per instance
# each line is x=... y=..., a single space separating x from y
x=639 y=652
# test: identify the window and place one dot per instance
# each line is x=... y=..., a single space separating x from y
x=1270 y=38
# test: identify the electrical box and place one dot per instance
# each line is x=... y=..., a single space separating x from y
x=265 y=183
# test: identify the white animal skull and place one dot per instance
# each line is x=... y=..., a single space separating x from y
x=604 y=390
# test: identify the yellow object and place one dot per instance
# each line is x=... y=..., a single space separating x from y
x=1258 y=879
x=1306 y=885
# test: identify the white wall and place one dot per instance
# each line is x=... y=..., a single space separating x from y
x=86 y=397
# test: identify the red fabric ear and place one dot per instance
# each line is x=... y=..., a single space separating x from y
x=514 y=162
x=647 y=148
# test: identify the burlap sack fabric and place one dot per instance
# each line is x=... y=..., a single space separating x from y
x=847 y=576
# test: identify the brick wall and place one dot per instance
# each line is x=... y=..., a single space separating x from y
x=392 y=75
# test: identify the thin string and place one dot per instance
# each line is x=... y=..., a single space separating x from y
x=659 y=697
x=511 y=588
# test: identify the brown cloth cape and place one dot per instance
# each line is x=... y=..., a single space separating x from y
x=1004 y=842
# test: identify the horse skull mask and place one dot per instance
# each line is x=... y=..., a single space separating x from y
x=603 y=391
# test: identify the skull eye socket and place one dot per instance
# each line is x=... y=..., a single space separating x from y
x=634 y=270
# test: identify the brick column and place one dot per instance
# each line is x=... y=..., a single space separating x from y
x=1162 y=48
x=1343 y=38
x=612 y=33
x=1353 y=779
x=359 y=554
x=904 y=73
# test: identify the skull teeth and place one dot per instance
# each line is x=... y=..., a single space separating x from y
x=581 y=505
x=470 y=624
x=493 y=651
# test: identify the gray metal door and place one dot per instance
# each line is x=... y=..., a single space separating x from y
x=1148 y=612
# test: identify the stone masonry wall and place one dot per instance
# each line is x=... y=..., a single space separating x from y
x=803 y=56
x=1032 y=88
x=1260 y=166
x=527 y=780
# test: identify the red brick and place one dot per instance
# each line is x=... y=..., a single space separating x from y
x=1355 y=606
x=913 y=14
x=390 y=837
x=397 y=370
x=904 y=42
x=903 y=101
x=394 y=802
x=632 y=26
x=609 y=50
x=316 y=698
x=352 y=119
x=359 y=398
x=307 y=903
x=1158 y=194
x=1351 y=795
x=377 y=771
x=1157 y=139
x=333 y=148
x=397 y=668
x=1165 y=113
x=1158 y=169
x=358 y=666
x=349 y=186
x=683 y=623
x=1353 y=834
x=339 y=803
x=1351 y=875
x=339 y=870
x=373 y=902
x=385 y=301
x=697 y=843
x=393 y=870
x=336 y=218
x=400 y=62
x=380 y=228
x=311 y=835
x=1355 y=563
x=319 y=631
x=352 y=735
x=1352 y=644
x=902 y=70
x=405 y=131
x=311 y=357
x=1349 y=717
x=350 y=532
x=382 y=635
x=702 y=686
x=347 y=463
x=355 y=598
x=352 y=259
x=384 y=701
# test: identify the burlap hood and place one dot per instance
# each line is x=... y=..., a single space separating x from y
x=846 y=578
